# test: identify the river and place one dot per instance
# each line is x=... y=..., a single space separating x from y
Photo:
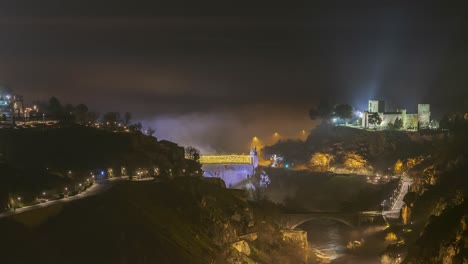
x=328 y=240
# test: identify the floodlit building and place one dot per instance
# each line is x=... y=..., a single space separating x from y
x=409 y=121
x=11 y=106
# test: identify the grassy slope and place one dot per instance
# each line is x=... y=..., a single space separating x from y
x=131 y=223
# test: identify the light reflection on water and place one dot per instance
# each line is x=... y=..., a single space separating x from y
x=327 y=239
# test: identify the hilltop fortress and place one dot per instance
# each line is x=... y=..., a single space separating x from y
x=411 y=121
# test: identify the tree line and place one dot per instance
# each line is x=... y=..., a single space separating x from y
x=53 y=109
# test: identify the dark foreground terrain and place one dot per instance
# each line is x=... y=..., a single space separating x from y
x=186 y=220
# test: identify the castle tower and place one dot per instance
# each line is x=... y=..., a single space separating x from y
x=254 y=157
x=376 y=106
x=424 y=115
x=403 y=117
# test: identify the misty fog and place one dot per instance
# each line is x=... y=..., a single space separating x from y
x=231 y=131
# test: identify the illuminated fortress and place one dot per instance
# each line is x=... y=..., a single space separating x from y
x=410 y=121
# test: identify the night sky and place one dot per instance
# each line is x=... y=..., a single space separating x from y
x=189 y=65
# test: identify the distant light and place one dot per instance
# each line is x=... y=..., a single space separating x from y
x=286 y=166
x=334 y=120
x=102 y=173
x=43 y=193
x=19 y=198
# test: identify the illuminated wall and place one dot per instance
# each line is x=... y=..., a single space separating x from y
x=226 y=159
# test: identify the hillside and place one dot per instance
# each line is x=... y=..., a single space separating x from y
x=377 y=149
x=185 y=220
x=34 y=160
x=81 y=147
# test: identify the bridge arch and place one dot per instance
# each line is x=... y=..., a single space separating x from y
x=310 y=218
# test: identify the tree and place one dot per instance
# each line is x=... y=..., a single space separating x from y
x=69 y=109
x=322 y=110
x=321 y=160
x=55 y=108
x=343 y=111
x=374 y=119
x=150 y=131
x=127 y=118
x=92 y=117
x=135 y=127
x=81 y=113
x=111 y=118
x=354 y=161
x=398 y=124
x=444 y=122
x=192 y=153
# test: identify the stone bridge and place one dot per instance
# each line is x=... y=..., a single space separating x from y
x=353 y=220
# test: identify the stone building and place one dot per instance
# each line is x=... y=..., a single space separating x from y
x=410 y=121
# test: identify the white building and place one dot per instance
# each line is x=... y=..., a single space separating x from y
x=412 y=121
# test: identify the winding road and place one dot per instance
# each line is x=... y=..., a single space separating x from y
x=394 y=212
x=96 y=188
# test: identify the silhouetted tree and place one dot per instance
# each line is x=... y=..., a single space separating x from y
x=192 y=153
x=55 y=108
x=444 y=122
x=69 y=109
x=81 y=112
x=111 y=117
x=127 y=118
x=322 y=110
x=135 y=127
x=374 y=119
x=92 y=117
x=343 y=111
x=150 y=131
x=398 y=124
